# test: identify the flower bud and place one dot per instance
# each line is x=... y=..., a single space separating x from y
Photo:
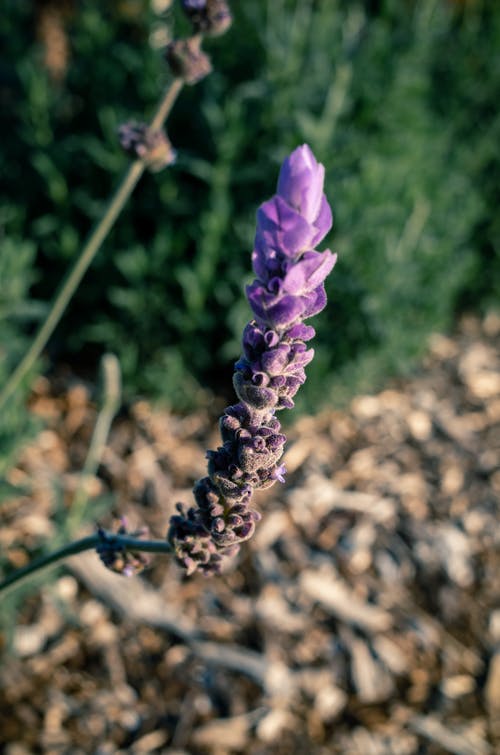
x=187 y=60
x=211 y=17
x=117 y=557
x=150 y=145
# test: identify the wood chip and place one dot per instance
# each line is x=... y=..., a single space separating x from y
x=335 y=597
x=372 y=682
x=362 y=619
x=465 y=742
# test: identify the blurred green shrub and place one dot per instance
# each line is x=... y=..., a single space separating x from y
x=466 y=82
x=17 y=313
x=397 y=99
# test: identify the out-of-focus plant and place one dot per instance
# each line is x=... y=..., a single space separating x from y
x=465 y=93
x=406 y=129
x=17 y=311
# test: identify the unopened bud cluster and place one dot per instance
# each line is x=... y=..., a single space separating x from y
x=118 y=558
x=288 y=289
x=211 y=17
x=187 y=61
x=145 y=143
x=185 y=57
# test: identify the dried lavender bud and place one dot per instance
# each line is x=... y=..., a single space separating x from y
x=194 y=548
x=288 y=289
x=116 y=557
x=187 y=60
x=150 y=145
x=211 y=17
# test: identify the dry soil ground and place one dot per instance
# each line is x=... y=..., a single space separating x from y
x=363 y=618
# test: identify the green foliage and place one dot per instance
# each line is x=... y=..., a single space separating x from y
x=466 y=94
x=16 y=312
x=397 y=99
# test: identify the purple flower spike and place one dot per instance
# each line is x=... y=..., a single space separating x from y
x=289 y=288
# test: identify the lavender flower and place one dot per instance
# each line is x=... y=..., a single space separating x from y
x=288 y=290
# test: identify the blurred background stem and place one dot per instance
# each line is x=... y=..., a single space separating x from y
x=90 y=249
x=111 y=403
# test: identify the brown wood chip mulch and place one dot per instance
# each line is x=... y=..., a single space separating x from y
x=363 y=618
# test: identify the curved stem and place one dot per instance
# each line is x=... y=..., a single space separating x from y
x=18 y=577
x=90 y=249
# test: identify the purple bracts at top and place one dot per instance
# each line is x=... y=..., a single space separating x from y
x=288 y=289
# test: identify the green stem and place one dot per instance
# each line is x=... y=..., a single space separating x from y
x=90 y=249
x=18 y=577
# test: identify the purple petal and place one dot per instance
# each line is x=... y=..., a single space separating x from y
x=323 y=222
x=301 y=331
x=278 y=473
x=302 y=359
x=309 y=272
x=275 y=360
x=265 y=258
x=300 y=182
x=276 y=310
x=314 y=302
x=281 y=227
